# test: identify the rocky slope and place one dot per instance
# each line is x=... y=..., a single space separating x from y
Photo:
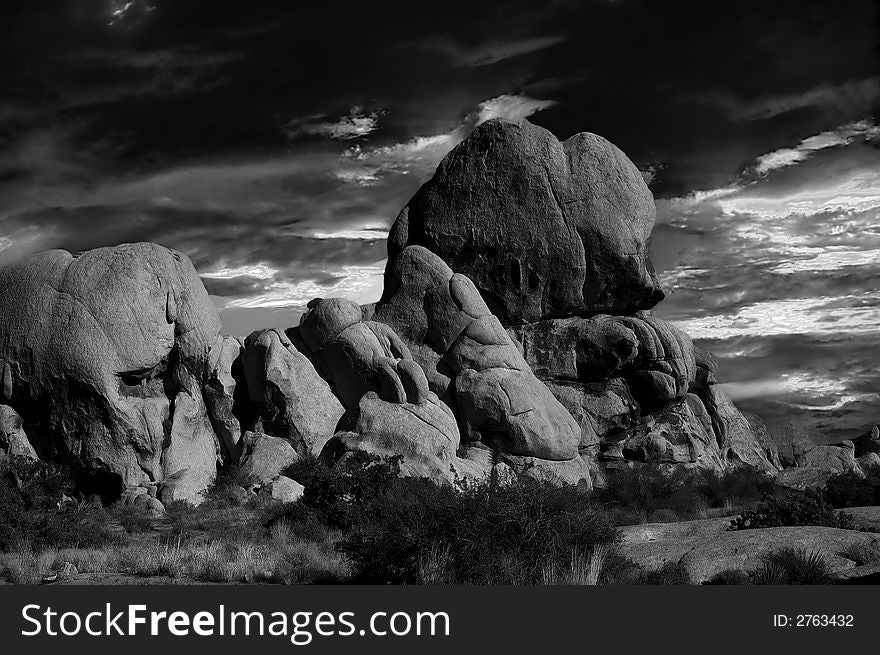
x=514 y=328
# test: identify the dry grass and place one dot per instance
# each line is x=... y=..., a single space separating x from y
x=281 y=560
x=29 y=565
x=862 y=553
x=434 y=565
x=584 y=568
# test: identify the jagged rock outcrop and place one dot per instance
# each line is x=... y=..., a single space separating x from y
x=543 y=229
x=102 y=355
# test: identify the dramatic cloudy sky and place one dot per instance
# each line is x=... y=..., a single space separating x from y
x=274 y=142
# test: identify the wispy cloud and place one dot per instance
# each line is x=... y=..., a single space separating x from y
x=777 y=276
x=357 y=123
x=840 y=136
x=852 y=95
x=488 y=53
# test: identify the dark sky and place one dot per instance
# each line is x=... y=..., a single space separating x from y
x=274 y=142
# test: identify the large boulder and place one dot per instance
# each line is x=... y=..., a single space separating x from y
x=642 y=392
x=353 y=355
x=264 y=458
x=471 y=361
x=836 y=458
x=95 y=352
x=292 y=401
x=681 y=434
x=868 y=443
x=544 y=229
x=656 y=358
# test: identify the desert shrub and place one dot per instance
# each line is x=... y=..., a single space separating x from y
x=740 y=485
x=298 y=520
x=862 y=553
x=226 y=486
x=729 y=577
x=31 y=511
x=620 y=570
x=664 y=515
x=648 y=491
x=337 y=493
x=792 y=508
x=849 y=490
x=670 y=573
x=132 y=519
x=794 y=566
x=486 y=534
x=309 y=562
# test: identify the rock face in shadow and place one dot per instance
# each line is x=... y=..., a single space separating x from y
x=544 y=229
x=102 y=355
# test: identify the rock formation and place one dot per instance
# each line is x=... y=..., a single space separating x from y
x=103 y=356
x=544 y=229
x=513 y=333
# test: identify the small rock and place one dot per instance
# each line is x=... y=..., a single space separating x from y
x=283 y=489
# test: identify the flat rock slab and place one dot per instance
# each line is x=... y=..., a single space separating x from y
x=705 y=548
x=647 y=533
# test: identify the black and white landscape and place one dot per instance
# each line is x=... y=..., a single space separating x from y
x=566 y=292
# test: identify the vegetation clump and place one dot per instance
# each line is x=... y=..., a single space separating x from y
x=792 y=508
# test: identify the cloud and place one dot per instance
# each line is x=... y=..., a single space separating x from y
x=777 y=277
x=488 y=53
x=421 y=154
x=843 y=135
x=511 y=107
x=356 y=124
x=852 y=95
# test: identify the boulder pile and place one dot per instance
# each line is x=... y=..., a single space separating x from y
x=514 y=331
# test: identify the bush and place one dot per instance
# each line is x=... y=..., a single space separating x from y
x=862 y=553
x=743 y=484
x=792 y=566
x=649 y=491
x=792 y=508
x=729 y=577
x=620 y=570
x=132 y=519
x=477 y=533
x=646 y=489
x=31 y=509
x=849 y=490
x=338 y=493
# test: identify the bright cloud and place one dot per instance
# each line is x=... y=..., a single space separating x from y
x=358 y=123
x=840 y=136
